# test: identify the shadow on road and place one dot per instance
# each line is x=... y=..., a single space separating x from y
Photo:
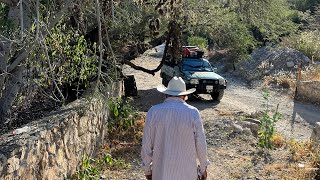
x=147 y=98
x=307 y=112
x=202 y=103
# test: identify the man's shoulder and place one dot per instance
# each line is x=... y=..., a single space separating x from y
x=164 y=105
x=191 y=107
x=155 y=107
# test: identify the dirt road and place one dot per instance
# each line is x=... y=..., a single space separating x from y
x=234 y=156
x=298 y=118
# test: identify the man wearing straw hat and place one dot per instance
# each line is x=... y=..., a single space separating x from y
x=173 y=137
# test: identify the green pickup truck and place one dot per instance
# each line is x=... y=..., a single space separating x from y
x=197 y=73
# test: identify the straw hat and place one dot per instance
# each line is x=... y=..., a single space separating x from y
x=176 y=87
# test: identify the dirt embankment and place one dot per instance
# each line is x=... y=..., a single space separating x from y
x=235 y=155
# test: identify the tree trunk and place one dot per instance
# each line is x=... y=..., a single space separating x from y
x=11 y=82
x=11 y=79
x=10 y=93
x=5 y=46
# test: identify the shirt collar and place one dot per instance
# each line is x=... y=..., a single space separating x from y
x=176 y=99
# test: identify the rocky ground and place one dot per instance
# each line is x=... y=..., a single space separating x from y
x=233 y=150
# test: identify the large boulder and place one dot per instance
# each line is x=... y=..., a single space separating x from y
x=267 y=61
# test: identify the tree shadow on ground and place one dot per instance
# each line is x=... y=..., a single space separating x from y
x=147 y=98
x=202 y=102
x=308 y=112
x=150 y=97
x=128 y=153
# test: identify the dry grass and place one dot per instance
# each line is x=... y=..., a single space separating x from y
x=125 y=146
x=278 y=140
x=312 y=74
x=299 y=160
x=305 y=151
x=303 y=163
x=288 y=81
x=225 y=113
x=132 y=134
x=293 y=159
x=292 y=170
x=283 y=81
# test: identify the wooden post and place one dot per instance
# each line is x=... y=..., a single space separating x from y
x=298 y=79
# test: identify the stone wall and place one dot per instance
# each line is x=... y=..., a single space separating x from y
x=53 y=147
x=308 y=91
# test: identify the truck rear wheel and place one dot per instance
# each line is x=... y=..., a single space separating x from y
x=165 y=82
x=130 y=86
x=217 y=96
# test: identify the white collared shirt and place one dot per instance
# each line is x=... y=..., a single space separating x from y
x=173 y=140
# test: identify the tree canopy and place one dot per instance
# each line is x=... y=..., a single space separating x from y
x=55 y=47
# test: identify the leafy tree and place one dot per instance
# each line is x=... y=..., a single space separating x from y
x=307 y=38
x=304 y=5
x=198 y=41
x=67 y=55
x=241 y=25
x=17 y=43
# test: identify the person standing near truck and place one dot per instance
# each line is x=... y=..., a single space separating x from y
x=173 y=137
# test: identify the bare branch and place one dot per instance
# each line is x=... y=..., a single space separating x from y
x=100 y=41
x=59 y=15
x=38 y=17
x=46 y=94
x=21 y=57
x=106 y=75
x=8 y=2
x=109 y=45
x=112 y=10
x=24 y=54
x=6 y=39
x=51 y=72
x=139 y=67
x=21 y=19
x=159 y=66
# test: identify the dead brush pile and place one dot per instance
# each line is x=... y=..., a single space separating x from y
x=280 y=80
x=272 y=66
x=288 y=81
x=312 y=73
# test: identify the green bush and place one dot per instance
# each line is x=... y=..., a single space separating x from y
x=88 y=170
x=267 y=124
x=123 y=114
x=306 y=42
x=92 y=168
x=198 y=41
x=65 y=57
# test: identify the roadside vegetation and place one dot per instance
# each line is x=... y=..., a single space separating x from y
x=267 y=123
x=121 y=150
x=303 y=156
x=57 y=53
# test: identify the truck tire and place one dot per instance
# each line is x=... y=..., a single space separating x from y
x=165 y=82
x=217 y=96
x=130 y=86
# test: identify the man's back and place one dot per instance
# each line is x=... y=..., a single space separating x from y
x=171 y=131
